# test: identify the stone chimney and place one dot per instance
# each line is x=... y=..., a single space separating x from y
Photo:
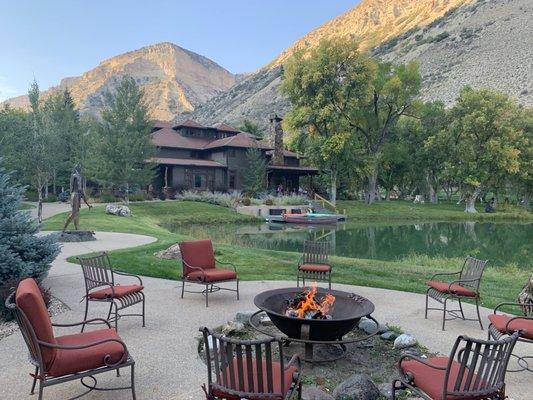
x=276 y=139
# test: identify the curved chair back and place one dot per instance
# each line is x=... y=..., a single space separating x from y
x=482 y=366
x=244 y=368
x=97 y=271
x=472 y=272
x=316 y=252
x=198 y=254
x=34 y=322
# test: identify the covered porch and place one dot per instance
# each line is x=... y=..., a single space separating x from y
x=287 y=176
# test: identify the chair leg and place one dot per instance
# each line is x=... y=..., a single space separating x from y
x=41 y=389
x=329 y=280
x=298 y=279
x=133 y=396
x=34 y=380
x=182 y=287
x=144 y=309
x=395 y=388
x=207 y=295
x=238 y=290
x=477 y=310
x=427 y=303
x=110 y=310
x=461 y=307
x=118 y=372
x=444 y=314
x=116 y=316
x=86 y=313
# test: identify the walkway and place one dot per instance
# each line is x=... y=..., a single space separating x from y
x=166 y=350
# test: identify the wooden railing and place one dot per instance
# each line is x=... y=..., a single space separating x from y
x=325 y=202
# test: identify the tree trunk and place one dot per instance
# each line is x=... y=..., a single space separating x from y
x=372 y=185
x=39 y=203
x=387 y=194
x=127 y=193
x=333 y=186
x=470 y=201
x=432 y=193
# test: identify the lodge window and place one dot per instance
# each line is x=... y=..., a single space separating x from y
x=200 y=181
x=232 y=179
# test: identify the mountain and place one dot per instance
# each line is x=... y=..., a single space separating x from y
x=175 y=80
x=482 y=43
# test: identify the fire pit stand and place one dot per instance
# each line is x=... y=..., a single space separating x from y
x=349 y=309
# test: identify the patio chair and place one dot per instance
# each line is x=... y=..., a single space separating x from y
x=314 y=263
x=99 y=273
x=245 y=369
x=504 y=325
x=59 y=359
x=465 y=286
x=200 y=267
x=474 y=370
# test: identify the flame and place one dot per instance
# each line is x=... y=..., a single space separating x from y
x=309 y=303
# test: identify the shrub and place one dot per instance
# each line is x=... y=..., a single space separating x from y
x=64 y=196
x=290 y=200
x=269 y=201
x=140 y=196
x=105 y=197
x=52 y=198
x=7 y=288
x=217 y=198
x=246 y=201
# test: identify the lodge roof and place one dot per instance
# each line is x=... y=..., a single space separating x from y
x=168 y=137
x=189 y=123
x=299 y=170
x=241 y=139
x=190 y=162
x=222 y=126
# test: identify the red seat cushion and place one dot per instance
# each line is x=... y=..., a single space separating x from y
x=500 y=322
x=120 y=291
x=30 y=301
x=315 y=267
x=72 y=361
x=444 y=287
x=431 y=380
x=197 y=253
x=212 y=275
x=276 y=381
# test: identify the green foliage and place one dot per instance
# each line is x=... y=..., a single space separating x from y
x=123 y=139
x=254 y=179
x=22 y=253
x=252 y=128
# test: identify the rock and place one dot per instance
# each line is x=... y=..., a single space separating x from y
x=172 y=253
x=232 y=328
x=356 y=387
x=370 y=327
x=385 y=389
x=244 y=316
x=265 y=320
x=314 y=393
x=405 y=340
x=76 y=236
x=389 y=335
x=117 y=209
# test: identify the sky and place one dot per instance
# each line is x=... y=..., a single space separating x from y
x=52 y=39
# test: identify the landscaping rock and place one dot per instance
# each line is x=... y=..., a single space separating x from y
x=119 y=210
x=232 y=328
x=370 y=326
x=389 y=335
x=314 y=393
x=243 y=316
x=405 y=340
x=172 y=253
x=386 y=390
x=265 y=320
x=76 y=236
x=357 y=387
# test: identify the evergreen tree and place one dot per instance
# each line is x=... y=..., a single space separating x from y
x=123 y=144
x=255 y=175
x=252 y=128
x=22 y=253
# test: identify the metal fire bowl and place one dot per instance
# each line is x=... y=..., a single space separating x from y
x=346 y=313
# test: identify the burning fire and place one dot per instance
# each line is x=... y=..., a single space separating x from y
x=306 y=305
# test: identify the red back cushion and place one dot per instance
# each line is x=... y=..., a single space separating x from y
x=197 y=253
x=30 y=300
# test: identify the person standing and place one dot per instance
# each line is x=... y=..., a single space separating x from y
x=76 y=196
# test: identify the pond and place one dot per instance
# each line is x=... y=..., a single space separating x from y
x=501 y=243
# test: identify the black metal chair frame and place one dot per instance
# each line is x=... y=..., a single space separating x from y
x=36 y=358
x=98 y=272
x=314 y=253
x=469 y=276
x=210 y=287
x=486 y=360
x=496 y=334
x=227 y=351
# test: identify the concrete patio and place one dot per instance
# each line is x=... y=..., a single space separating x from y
x=167 y=364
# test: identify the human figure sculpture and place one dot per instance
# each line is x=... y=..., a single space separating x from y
x=76 y=196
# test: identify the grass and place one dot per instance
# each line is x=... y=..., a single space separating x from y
x=408 y=274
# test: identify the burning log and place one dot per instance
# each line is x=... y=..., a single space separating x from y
x=306 y=305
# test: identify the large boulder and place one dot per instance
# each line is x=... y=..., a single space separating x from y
x=314 y=393
x=357 y=387
x=172 y=253
x=405 y=340
x=118 y=209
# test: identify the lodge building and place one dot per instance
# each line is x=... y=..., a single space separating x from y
x=191 y=156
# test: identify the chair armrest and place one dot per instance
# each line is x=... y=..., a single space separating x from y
x=127 y=274
x=444 y=274
x=101 y=283
x=191 y=267
x=294 y=361
x=88 y=345
x=300 y=260
x=418 y=359
x=514 y=319
x=459 y=281
x=83 y=322
x=226 y=263
x=507 y=303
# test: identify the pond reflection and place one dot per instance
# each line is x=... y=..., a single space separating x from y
x=501 y=243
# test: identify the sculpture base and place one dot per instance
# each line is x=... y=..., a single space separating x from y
x=76 y=236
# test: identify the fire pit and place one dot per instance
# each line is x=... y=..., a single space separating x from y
x=316 y=316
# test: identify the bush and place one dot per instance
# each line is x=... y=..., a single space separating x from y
x=31 y=195
x=7 y=288
x=105 y=197
x=217 y=198
x=52 y=198
x=140 y=196
x=246 y=201
x=64 y=196
x=290 y=200
x=269 y=201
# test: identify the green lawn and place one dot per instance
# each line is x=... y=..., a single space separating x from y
x=408 y=274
